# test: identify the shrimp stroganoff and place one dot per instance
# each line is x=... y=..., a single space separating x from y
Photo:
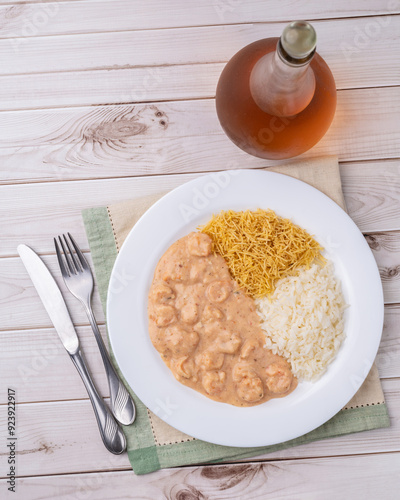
x=207 y=329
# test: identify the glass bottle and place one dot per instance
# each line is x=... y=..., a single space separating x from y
x=276 y=98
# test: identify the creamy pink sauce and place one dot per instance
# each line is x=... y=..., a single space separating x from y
x=207 y=329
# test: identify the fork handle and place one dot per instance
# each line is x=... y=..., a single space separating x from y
x=122 y=404
x=111 y=433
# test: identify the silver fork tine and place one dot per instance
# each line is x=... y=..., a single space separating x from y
x=64 y=270
x=82 y=258
x=70 y=264
x=76 y=262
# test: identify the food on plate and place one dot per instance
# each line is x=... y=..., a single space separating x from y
x=303 y=320
x=261 y=248
x=207 y=329
x=245 y=308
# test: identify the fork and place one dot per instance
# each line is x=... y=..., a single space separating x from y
x=79 y=280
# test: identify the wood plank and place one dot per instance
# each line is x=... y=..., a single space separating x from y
x=178 y=137
x=115 y=85
x=129 y=85
x=28 y=2
x=34 y=213
x=359 y=60
x=21 y=306
x=371 y=191
x=386 y=360
x=44 y=210
x=386 y=249
x=35 y=362
x=329 y=478
x=95 y=124
x=61 y=437
x=70 y=17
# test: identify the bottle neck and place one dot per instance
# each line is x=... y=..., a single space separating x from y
x=281 y=86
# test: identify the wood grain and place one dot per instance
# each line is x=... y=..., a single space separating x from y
x=35 y=213
x=162 y=83
x=34 y=360
x=312 y=479
x=114 y=86
x=70 y=17
x=359 y=59
x=235 y=482
x=62 y=436
x=176 y=137
x=21 y=305
x=386 y=360
x=372 y=193
x=386 y=249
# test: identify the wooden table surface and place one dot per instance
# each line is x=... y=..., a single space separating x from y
x=106 y=100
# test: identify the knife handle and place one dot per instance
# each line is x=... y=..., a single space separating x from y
x=111 y=433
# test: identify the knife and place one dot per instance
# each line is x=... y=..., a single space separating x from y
x=49 y=293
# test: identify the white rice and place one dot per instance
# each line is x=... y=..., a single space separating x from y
x=303 y=320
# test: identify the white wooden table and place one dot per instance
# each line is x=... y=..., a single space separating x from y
x=105 y=100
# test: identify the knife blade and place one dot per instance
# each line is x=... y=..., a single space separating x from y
x=51 y=297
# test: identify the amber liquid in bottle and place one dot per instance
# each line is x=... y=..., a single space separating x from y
x=266 y=135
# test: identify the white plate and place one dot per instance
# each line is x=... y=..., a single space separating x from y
x=180 y=212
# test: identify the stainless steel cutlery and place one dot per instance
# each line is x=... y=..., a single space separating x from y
x=53 y=301
x=79 y=281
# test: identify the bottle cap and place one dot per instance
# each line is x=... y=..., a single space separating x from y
x=299 y=40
